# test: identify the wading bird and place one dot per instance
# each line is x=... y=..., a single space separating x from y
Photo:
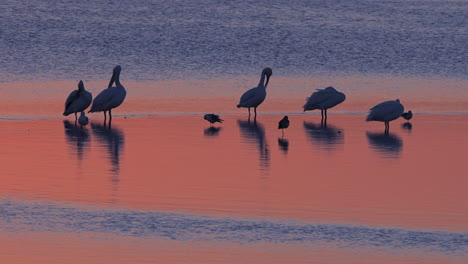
x=255 y=96
x=111 y=97
x=324 y=99
x=77 y=101
x=408 y=115
x=212 y=118
x=283 y=124
x=386 y=112
x=83 y=120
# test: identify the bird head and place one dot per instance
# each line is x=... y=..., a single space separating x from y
x=80 y=85
x=268 y=72
x=115 y=73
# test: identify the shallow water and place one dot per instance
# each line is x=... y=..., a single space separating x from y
x=161 y=186
x=239 y=188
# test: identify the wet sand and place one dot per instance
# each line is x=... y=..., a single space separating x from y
x=348 y=174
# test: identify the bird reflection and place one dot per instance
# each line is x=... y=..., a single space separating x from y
x=388 y=144
x=283 y=143
x=112 y=139
x=77 y=138
x=328 y=136
x=407 y=126
x=211 y=131
x=253 y=132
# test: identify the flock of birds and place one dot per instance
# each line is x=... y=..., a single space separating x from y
x=322 y=99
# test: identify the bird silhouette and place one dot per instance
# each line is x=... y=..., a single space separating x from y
x=408 y=115
x=83 y=120
x=283 y=123
x=111 y=97
x=324 y=99
x=386 y=112
x=255 y=96
x=212 y=118
x=77 y=101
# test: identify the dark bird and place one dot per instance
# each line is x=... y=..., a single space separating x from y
x=386 y=112
x=324 y=99
x=212 y=118
x=111 y=97
x=77 y=101
x=283 y=123
x=408 y=115
x=255 y=96
x=83 y=120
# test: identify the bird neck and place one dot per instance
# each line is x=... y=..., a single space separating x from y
x=261 y=83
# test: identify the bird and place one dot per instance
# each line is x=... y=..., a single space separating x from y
x=255 y=96
x=408 y=115
x=324 y=99
x=77 y=101
x=83 y=120
x=386 y=112
x=111 y=97
x=212 y=118
x=283 y=123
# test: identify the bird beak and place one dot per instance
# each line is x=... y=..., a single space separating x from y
x=111 y=80
x=267 y=80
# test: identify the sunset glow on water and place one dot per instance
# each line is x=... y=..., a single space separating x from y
x=159 y=184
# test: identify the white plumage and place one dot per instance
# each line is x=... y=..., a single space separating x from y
x=255 y=96
x=78 y=100
x=111 y=97
x=324 y=99
x=386 y=112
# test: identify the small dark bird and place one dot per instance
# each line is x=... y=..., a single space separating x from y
x=408 y=115
x=212 y=118
x=83 y=120
x=283 y=123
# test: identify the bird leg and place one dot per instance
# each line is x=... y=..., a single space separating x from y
x=110 y=114
x=387 y=127
x=76 y=117
x=105 y=117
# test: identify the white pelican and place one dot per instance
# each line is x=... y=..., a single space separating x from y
x=83 y=120
x=408 y=115
x=386 y=112
x=255 y=96
x=324 y=99
x=77 y=101
x=283 y=123
x=212 y=118
x=111 y=97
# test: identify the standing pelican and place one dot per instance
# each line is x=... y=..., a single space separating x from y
x=111 y=97
x=408 y=115
x=283 y=123
x=212 y=118
x=83 y=120
x=77 y=101
x=386 y=112
x=323 y=99
x=255 y=96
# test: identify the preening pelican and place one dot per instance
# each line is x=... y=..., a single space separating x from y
x=408 y=115
x=77 y=101
x=212 y=118
x=83 y=120
x=111 y=97
x=283 y=123
x=324 y=99
x=255 y=96
x=386 y=112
